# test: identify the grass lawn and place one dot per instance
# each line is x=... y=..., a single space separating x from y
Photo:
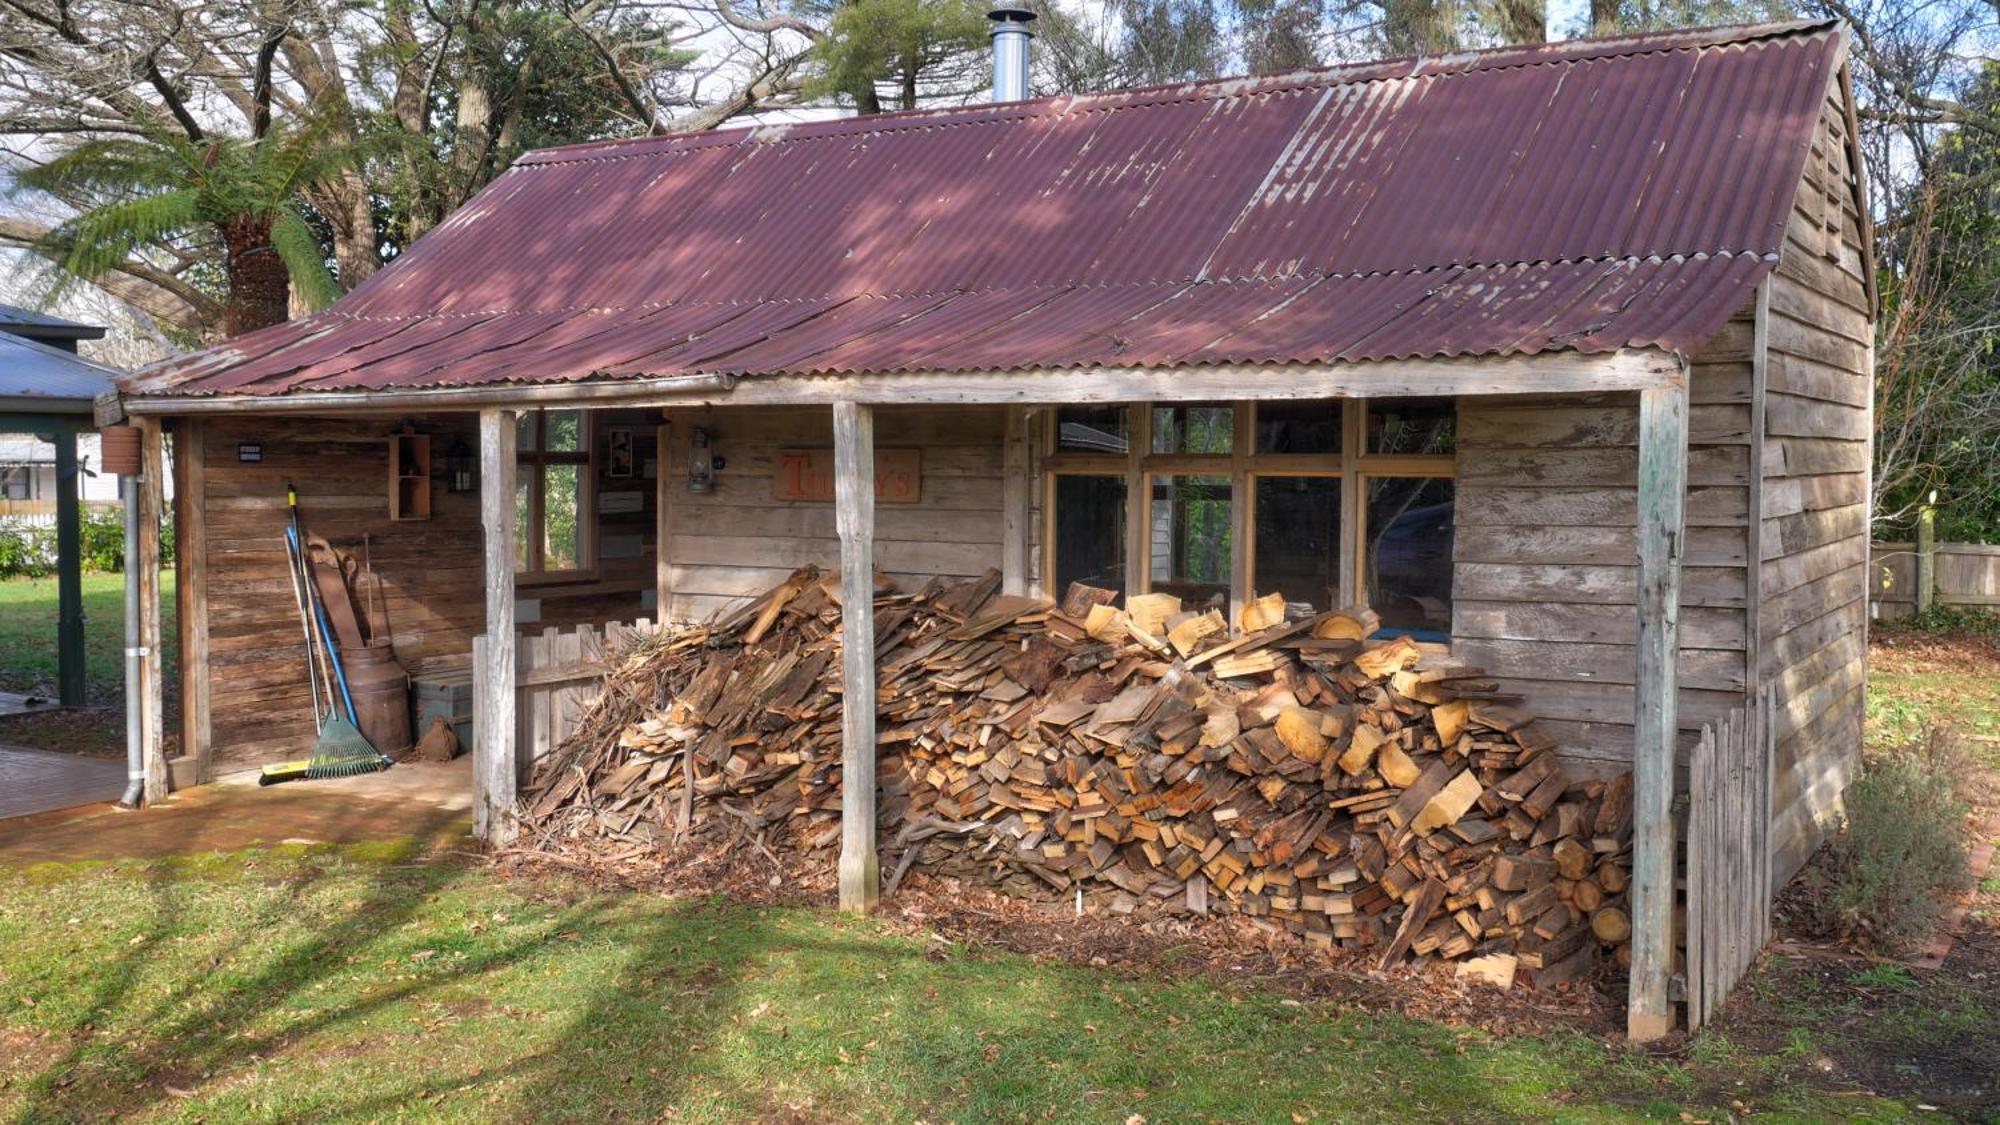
x=363 y=983
x=360 y=984
x=28 y=661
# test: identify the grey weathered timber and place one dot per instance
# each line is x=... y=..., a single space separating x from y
x=1926 y=558
x=1014 y=502
x=191 y=565
x=1547 y=373
x=1663 y=441
x=494 y=766
x=152 y=683
x=854 y=505
x=69 y=573
x=1728 y=855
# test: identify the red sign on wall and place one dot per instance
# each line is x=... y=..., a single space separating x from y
x=807 y=474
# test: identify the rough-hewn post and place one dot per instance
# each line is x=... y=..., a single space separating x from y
x=1926 y=557
x=1663 y=442
x=152 y=684
x=854 y=508
x=69 y=573
x=1014 y=501
x=494 y=766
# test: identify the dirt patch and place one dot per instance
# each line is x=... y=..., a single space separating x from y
x=1230 y=952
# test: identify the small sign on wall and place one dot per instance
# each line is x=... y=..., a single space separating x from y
x=807 y=474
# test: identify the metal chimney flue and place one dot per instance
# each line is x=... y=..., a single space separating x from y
x=1010 y=51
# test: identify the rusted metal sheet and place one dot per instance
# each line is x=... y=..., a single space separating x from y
x=1584 y=195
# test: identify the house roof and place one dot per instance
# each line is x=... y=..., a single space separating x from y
x=1587 y=196
x=41 y=326
x=38 y=379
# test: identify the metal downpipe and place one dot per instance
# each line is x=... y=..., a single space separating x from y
x=135 y=763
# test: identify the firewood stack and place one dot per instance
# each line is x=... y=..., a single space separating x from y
x=1146 y=756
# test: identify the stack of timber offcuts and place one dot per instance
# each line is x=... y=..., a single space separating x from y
x=1144 y=754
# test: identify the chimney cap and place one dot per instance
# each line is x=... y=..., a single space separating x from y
x=1010 y=13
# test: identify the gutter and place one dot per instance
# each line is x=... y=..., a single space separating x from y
x=405 y=401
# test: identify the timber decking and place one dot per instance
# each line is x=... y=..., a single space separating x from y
x=37 y=781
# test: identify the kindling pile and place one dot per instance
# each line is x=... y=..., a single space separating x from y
x=1144 y=755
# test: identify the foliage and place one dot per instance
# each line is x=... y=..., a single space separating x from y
x=1900 y=855
x=914 y=46
x=28 y=550
x=136 y=191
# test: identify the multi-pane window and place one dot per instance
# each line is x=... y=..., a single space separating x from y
x=552 y=492
x=1329 y=503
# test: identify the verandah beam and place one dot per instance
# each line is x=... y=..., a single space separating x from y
x=1663 y=454
x=854 y=510
x=494 y=766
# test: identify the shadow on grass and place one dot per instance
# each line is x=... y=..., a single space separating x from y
x=695 y=1006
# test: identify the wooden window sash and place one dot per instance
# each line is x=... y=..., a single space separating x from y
x=532 y=462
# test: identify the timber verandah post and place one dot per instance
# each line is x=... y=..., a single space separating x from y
x=854 y=511
x=494 y=765
x=1663 y=454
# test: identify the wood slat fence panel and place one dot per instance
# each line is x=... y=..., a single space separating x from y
x=1967 y=576
x=1728 y=855
x=557 y=674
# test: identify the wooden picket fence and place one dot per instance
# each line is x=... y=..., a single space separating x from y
x=1728 y=855
x=556 y=675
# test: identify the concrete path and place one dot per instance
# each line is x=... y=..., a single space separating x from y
x=35 y=781
x=428 y=802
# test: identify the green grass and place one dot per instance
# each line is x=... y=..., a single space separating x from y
x=28 y=634
x=359 y=984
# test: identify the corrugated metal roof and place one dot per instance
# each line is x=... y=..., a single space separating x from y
x=37 y=378
x=1589 y=195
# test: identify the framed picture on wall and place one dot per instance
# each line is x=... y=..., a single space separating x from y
x=619 y=464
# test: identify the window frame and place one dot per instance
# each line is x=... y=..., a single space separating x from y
x=1352 y=466
x=528 y=470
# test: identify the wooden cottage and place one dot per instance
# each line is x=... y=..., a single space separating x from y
x=1556 y=355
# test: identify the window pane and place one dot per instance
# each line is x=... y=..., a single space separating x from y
x=562 y=496
x=1412 y=425
x=1298 y=427
x=564 y=431
x=1407 y=558
x=1090 y=532
x=1191 y=538
x=1093 y=429
x=524 y=523
x=1297 y=551
x=526 y=426
x=1192 y=429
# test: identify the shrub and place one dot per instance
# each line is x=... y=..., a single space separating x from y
x=1900 y=857
x=29 y=551
x=26 y=551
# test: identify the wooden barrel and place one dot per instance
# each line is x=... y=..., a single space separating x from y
x=381 y=692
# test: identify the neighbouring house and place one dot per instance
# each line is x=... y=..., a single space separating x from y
x=1557 y=355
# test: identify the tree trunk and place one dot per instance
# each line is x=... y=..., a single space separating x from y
x=259 y=286
x=1604 y=17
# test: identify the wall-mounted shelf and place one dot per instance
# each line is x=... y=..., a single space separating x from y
x=410 y=477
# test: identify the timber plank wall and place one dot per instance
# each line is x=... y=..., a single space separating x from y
x=1546 y=547
x=1815 y=460
x=254 y=696
x=738 y=541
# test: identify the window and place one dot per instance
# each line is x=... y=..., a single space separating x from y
x=1089 y=531
x=552 y=493
x=17 y=482
x=1191 y=521
x=1329 y=503
x=1406 y=554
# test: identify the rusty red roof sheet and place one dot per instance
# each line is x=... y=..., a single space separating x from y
x=1589 y=195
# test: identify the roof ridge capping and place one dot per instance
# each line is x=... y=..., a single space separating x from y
x=1371 y=70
